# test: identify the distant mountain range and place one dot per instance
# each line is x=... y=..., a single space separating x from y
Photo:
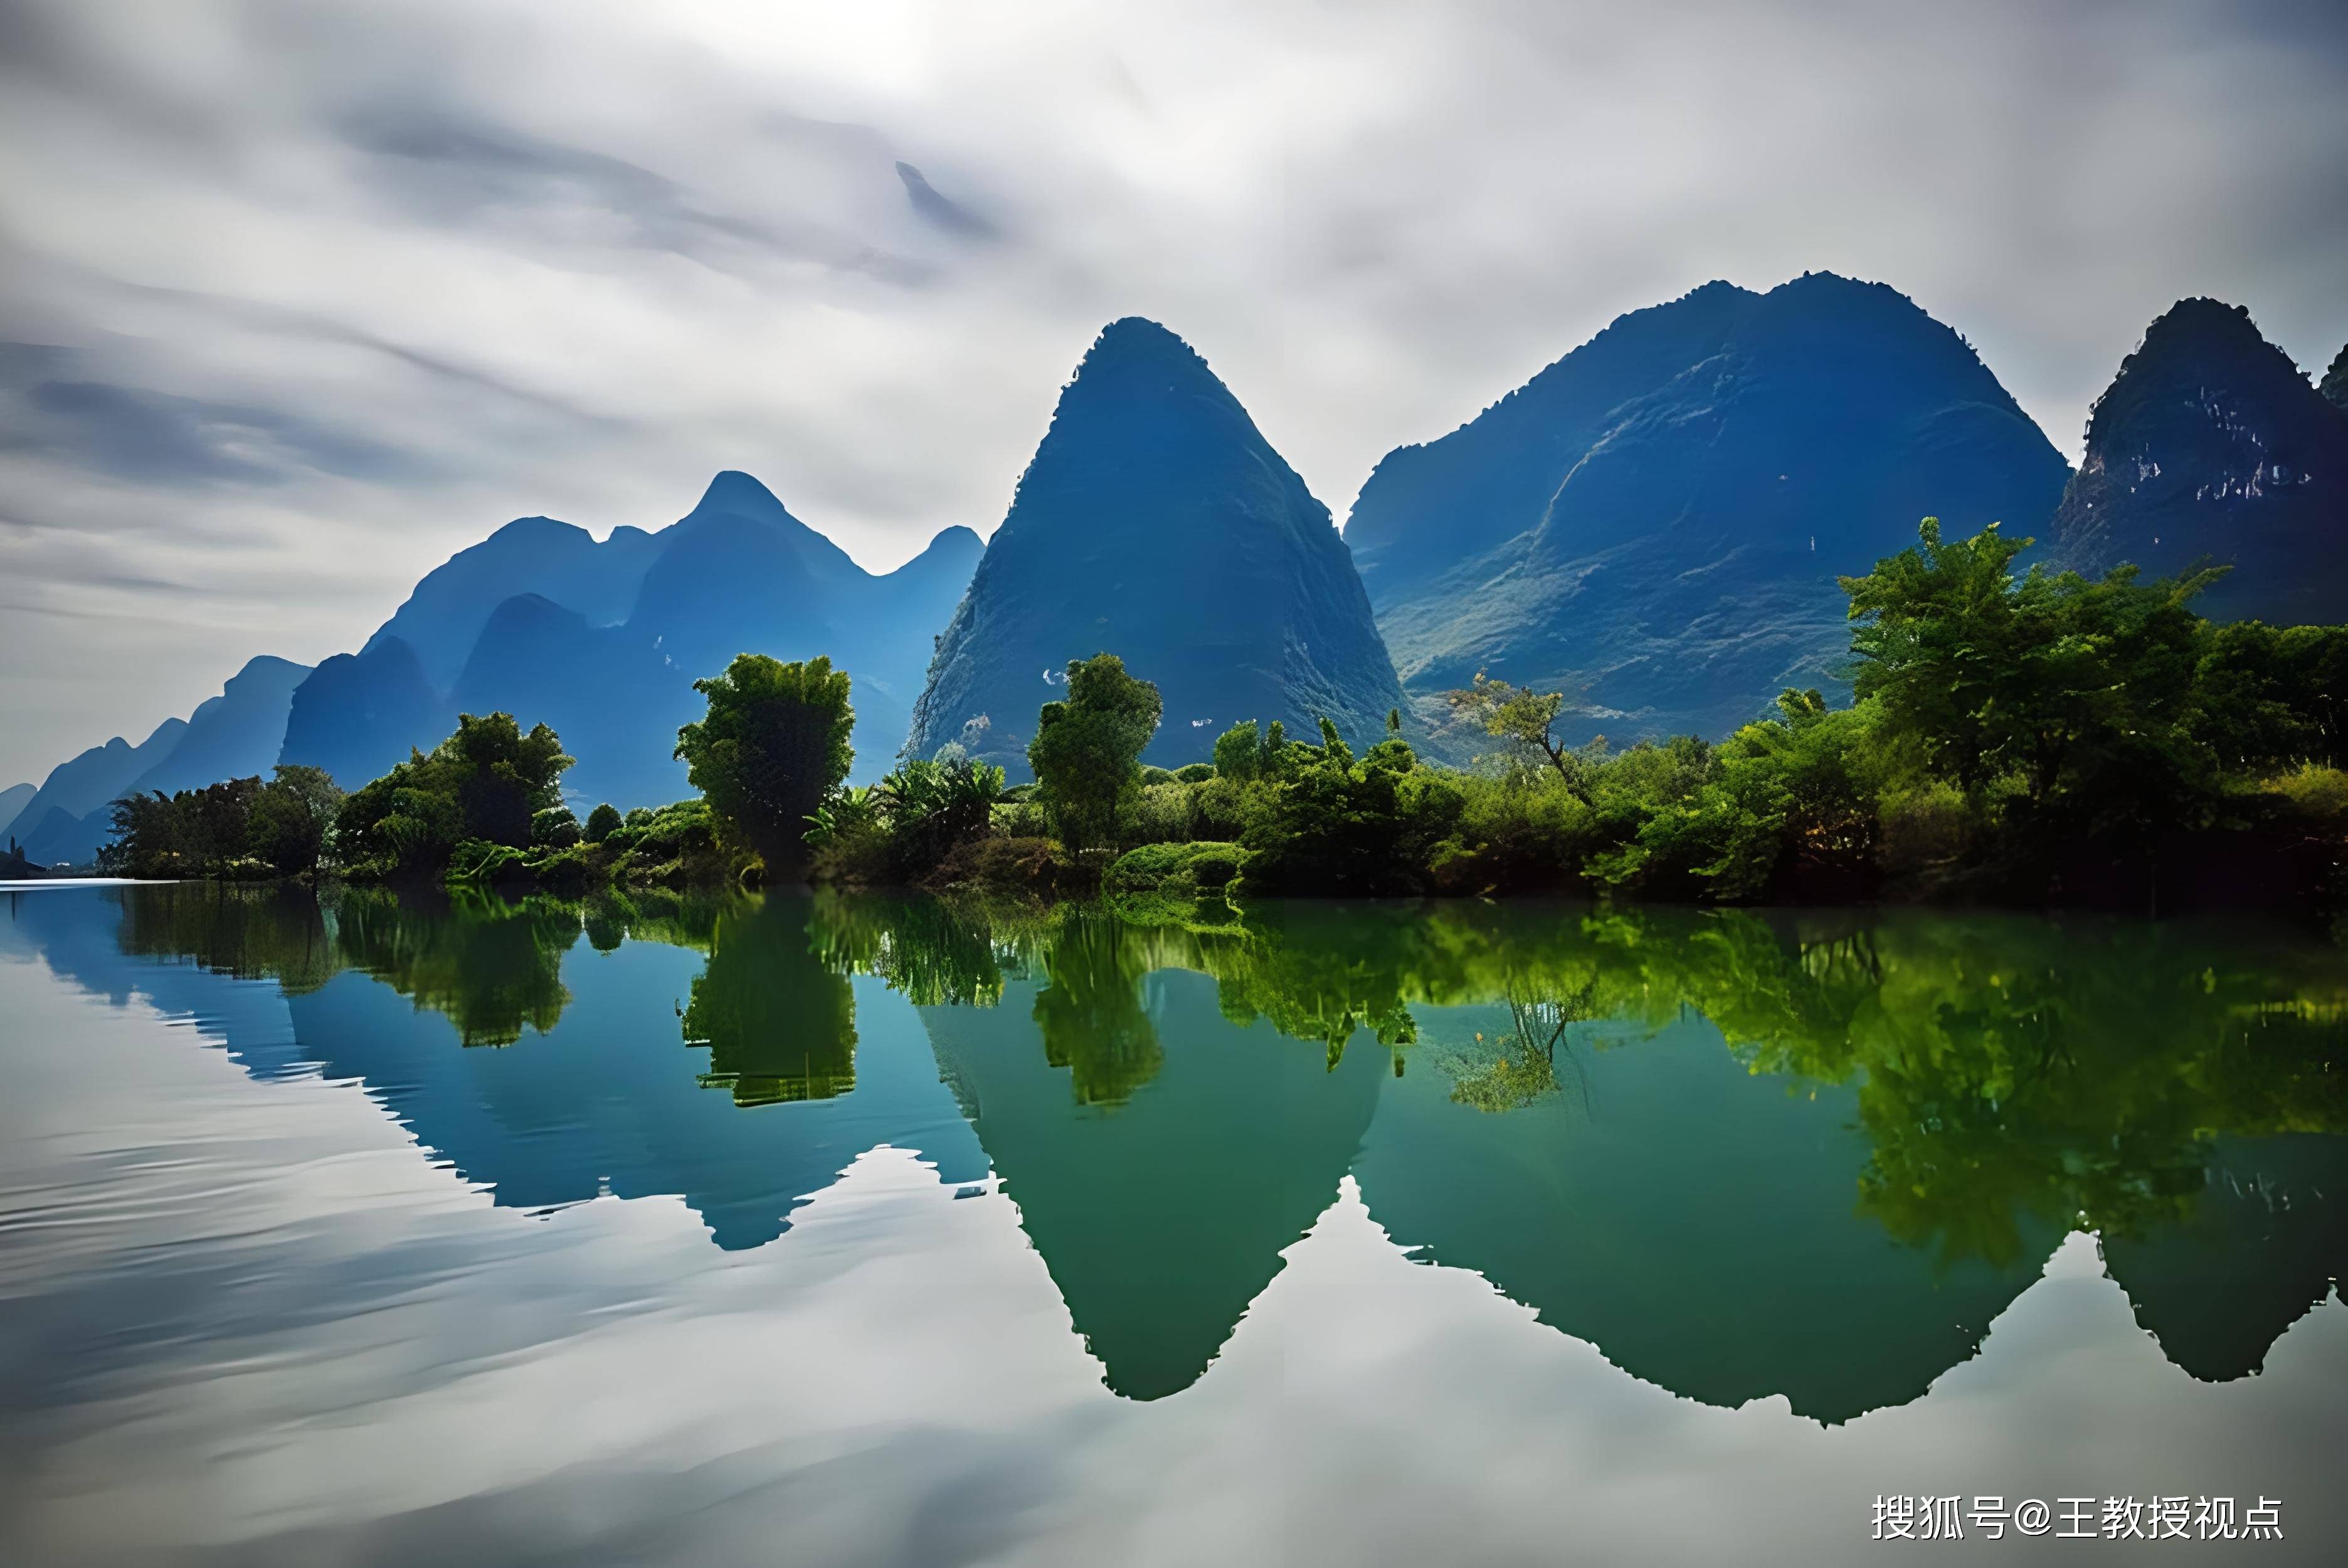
x=1655 y=523
x=232 y=736
x=603 y=641
x=1155 y=523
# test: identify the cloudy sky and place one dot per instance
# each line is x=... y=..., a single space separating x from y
x=299 y=296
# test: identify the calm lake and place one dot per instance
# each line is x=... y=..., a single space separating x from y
x=820 y=1228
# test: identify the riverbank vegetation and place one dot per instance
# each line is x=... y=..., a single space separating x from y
x=2020 y=738
x=2031 y=738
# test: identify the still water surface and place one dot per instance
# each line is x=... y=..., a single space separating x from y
x=855 y=1230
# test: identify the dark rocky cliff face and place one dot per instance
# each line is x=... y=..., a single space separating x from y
x=1655 y=523
x=2210 y=443
x=1157 y=523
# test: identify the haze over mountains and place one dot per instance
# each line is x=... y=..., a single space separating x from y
x=1157 y=523
x=603 y=640
x=1655 y=523
x=232 y=736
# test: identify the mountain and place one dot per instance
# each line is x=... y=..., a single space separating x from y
x=77 y=787
x=1654 y=522
x=1155 y=523
x=235 y=734
x=925 y=593
x=606 y=690
x=740 y=574
x=358 y=714
x=14 y=799
x=559 y=560
x=60 y=839
x=2212 y=443
x=603 y=641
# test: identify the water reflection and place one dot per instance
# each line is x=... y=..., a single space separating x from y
x=1810 y=1156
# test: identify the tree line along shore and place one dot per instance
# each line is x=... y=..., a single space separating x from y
x=2027 y=738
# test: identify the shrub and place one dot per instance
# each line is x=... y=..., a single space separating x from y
x=1333 y=825
x=1518 y=828
x=1923 y=829
x=1029 y=864
x=574 y=871
x=1161 y=884
x=1196 y=773
x=1019 y=817
x=1160 y=813
x=928 y=808
x=554 y=828
x=2317 y=793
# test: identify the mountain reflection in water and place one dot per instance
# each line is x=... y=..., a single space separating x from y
x=1744 y=1154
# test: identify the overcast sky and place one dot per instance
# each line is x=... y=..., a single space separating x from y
x=298 y=296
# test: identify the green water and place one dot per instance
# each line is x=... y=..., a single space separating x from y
x=1784 y=1168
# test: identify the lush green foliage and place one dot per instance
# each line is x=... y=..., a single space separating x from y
x=906 y=825
x=240 y=829
x=1177 y=883
x=774 y=746
x=1327 y=823
x=1527 y=721
x=480 y=789
x=1087 y=753
x=2030 y=736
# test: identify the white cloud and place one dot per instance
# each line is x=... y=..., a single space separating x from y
x=450 y=263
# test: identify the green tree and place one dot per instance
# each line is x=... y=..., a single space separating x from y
x=194 y=833
x=1936 y=641
x=1525 y=719
x=2072 y=694
x=554 y=828
x=2266 y=697
x=1238 y=752
x=484 y=784
x=1087 y=753
x=601 y=821
x=1338 y=825
x=774 y=746
x=293 y=818
x=502 y=777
